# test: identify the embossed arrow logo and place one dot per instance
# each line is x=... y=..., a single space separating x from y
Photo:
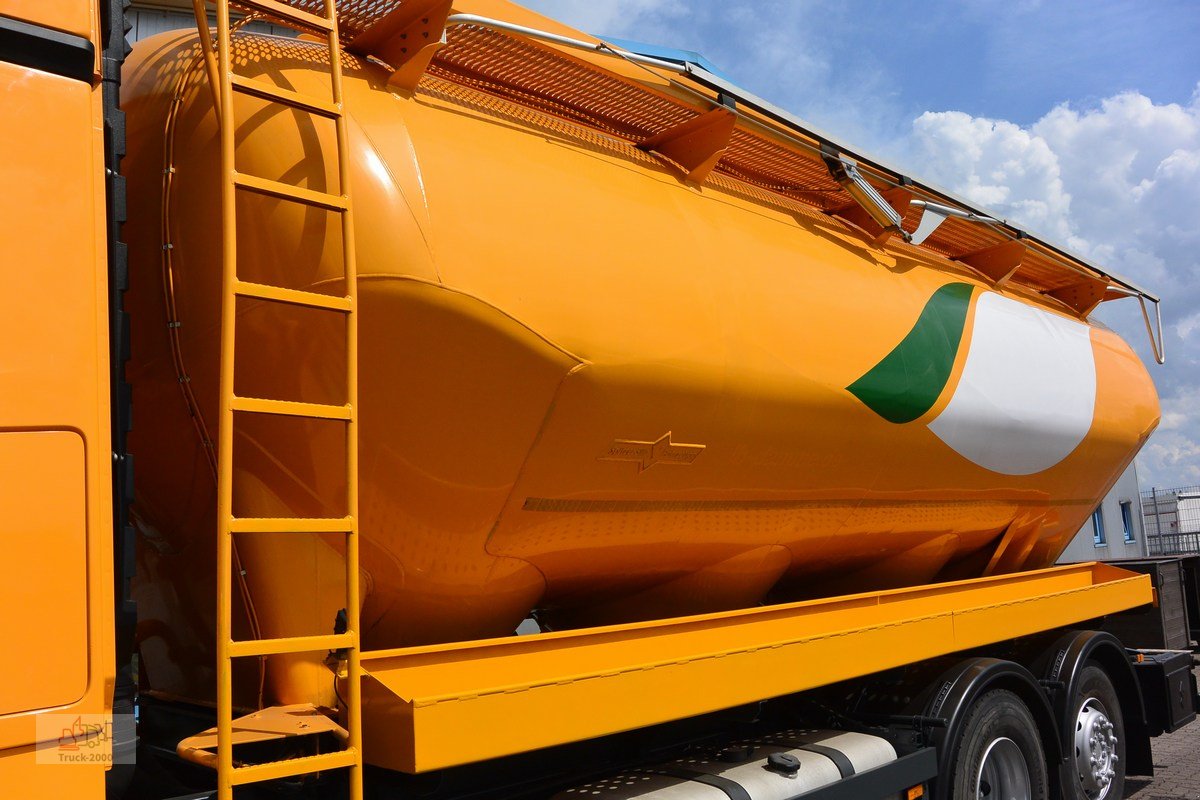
x=661 y=451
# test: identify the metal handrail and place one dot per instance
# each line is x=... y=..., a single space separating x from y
x=566 y=41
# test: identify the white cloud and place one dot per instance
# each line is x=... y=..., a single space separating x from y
x=1119 y=183
x=1173 y=455
x=1188 y=325
x=998 y=165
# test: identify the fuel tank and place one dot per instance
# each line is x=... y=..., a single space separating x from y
x=589 y=391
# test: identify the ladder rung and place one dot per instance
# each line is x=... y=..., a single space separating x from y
x=295 y=297
x=285 y=191
x=305 y=765
x=287 y=12
x=286 y=97
x=292 y=525
x=293 y=644
x=290 y=408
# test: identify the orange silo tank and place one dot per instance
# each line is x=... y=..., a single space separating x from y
x=589 y=390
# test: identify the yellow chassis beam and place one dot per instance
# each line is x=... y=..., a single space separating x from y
x=445 y=705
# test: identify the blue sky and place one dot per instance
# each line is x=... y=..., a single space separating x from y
x=1012 y=60
x=1078 y=120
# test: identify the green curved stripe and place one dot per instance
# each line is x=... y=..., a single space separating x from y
x=909 y=380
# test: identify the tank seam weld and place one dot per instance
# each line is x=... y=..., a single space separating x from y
x=426 y=282
x=508 y=499
x=421 y=182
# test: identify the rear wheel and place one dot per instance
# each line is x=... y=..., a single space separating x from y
x=999 y=756
x=1098 y=763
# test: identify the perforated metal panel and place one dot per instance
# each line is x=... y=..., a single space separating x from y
x=354 y=16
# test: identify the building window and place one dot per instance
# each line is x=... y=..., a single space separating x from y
x=1127 y=519
x=1098 y=527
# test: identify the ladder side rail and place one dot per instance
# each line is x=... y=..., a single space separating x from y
x=353 y=665
x=225 y=776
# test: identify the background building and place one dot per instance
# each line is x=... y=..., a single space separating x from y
x=1116 y=528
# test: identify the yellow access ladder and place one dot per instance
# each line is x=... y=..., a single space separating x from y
x=233 y=407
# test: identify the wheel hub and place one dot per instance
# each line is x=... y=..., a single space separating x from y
x=1095 y=749
x=1003 y=773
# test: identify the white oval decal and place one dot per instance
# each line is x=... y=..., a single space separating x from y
x=1027 y=392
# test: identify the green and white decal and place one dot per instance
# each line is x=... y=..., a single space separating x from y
x=910 y=379
x=1027 y=393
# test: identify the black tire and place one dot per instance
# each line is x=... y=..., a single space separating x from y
x=998 y=719
x=1094 y=687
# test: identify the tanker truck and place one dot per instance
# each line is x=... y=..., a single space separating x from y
x=519 y=415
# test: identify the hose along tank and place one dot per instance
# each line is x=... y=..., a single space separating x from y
x=589 y=390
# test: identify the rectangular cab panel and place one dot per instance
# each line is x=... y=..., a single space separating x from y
x=43 y=536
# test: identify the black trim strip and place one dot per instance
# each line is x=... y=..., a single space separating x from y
x=839 y=759
x=114 y=48
x=732 y=789
x=46 y=49
x=836 y=756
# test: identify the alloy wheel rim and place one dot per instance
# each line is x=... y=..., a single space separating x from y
x=1003 y=773
x=1095 y=749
